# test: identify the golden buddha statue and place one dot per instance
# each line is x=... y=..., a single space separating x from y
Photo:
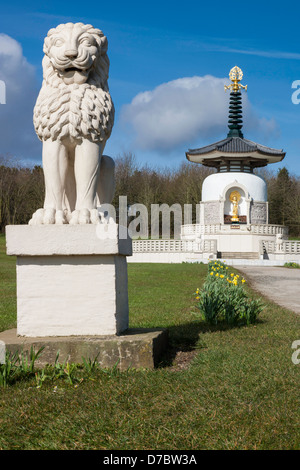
x=235 y=198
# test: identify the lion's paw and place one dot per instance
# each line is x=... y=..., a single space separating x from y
x=48 y=217
x=85 y=216
x=105 y=218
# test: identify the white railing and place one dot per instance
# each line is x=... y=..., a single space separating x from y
x=209 y=246
x=269 y=229
x=171 y=246
x=146 y=246
x=260 y=229
x=197 y=229
x=286 y=247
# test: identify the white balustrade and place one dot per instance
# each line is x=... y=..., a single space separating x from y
x=170 y=246
x=260 y=229
x=285 y=247
x=269 y=229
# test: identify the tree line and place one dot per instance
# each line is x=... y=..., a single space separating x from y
x=22 y=189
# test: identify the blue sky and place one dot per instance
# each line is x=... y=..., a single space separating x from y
x=169 y=62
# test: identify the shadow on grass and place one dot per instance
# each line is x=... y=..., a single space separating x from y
x=187 y=338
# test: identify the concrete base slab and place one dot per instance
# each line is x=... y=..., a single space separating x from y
x=135 y=348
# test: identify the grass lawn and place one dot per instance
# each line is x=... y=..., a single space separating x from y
x=8 y=302
x=240 y=391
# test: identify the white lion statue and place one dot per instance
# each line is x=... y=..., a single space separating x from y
x=73 y=117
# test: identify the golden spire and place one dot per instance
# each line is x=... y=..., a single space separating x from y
x=235 y=76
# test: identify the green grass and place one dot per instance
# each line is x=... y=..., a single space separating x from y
x=241 y=390
x=8 y=304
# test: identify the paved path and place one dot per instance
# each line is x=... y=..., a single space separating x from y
x=282 y=285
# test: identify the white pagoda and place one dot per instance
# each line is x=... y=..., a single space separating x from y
x=234 y=205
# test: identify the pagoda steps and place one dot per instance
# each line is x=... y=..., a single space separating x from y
x=238 y=255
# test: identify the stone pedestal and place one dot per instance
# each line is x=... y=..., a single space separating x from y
x=71 y=279
x=135 y=348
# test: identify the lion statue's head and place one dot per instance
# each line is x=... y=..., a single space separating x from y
x=76 y=53
x=74 y=100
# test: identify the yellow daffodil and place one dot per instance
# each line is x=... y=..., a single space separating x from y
x=231 y=274
x=221 y=276
x=211 y=274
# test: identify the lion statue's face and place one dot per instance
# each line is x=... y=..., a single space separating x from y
x=73 y=50
x=74 y=101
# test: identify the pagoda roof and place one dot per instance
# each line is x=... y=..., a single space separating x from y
x=235 y=148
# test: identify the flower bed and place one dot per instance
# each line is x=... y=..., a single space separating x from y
x=223 y=298
x=292 y=265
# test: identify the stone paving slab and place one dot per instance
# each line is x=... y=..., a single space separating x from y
x=282 y=285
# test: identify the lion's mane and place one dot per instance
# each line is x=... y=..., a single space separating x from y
x=75 y=110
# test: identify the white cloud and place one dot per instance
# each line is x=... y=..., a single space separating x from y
x=18 y=137
x=184 y=111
